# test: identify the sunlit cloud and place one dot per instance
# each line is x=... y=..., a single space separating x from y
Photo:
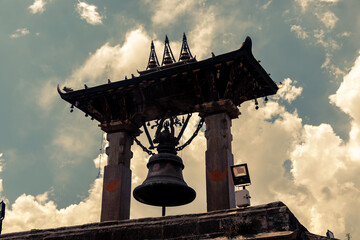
x=38 y=212
x=167 y=11
x=348 y=94
x=203 y=33
x=20 y=33
x=299 y=31
x=113 y=62
x=288 y=91
x=306 y=3
x=38 y=6
x=89 y=13
x=266 y=5
x=328 y=18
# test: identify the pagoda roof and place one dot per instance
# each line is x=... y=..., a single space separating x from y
x=233 y=78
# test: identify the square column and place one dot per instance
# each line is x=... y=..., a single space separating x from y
x=117 y=178
x=219 y=158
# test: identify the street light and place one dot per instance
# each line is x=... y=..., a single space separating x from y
x=240 y=174
x=241 y=178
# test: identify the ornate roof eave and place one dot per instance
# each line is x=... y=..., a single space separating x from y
x=244 y=50
x=253 y=76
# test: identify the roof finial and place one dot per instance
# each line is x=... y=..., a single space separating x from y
x=168 y=56
x=185 y=53
x=153 y=60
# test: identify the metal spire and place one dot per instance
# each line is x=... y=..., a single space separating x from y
x=168 y=56
x=185 y=53
x=153 y=60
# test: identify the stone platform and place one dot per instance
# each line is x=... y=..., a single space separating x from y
x=270 y=221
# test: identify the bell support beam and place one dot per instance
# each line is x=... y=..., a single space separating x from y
x=117 y=175
x=219 y=158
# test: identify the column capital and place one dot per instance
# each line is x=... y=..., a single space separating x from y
x=121 y=126
x=215 y=107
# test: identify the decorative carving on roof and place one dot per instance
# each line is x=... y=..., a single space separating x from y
x=217 y=84
x=168 y=56
x=185 y=53
x=153 y=60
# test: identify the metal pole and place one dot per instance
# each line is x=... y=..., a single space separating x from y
x=163 y=211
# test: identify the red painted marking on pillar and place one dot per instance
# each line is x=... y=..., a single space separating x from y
x=217 y=175
x=112 y=185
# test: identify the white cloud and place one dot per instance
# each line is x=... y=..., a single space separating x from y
x=299 y=31
x=46 y=95
x=113 y=62
x=328 y=43
x=288 y=91
x=20 y=33
x=328 y=18
x=319 y=34
x=327 y=64
x=71 y=143
x=305 y=3
x=203 y=33
x=38 y=212
x=347 y=98
x=326 y=168
x=89 y=13
x=38 y=6
x=348 y=94
x=166 y=11
x=345 y=34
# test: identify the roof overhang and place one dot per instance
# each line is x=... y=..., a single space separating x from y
x=219 y=83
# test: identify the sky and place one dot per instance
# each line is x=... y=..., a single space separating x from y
x=302 y=146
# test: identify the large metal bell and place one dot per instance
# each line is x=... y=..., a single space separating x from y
x=164 y=184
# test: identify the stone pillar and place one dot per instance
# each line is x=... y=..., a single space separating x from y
x=219 y=158
x=117 y=178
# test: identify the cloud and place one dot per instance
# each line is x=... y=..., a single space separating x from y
x=166 y=11
x=266 y=5
x=20 y=33
x=38 y=212
x=328 y=18
x=89 y=13
x=348 y=95
x=305 y=3
x=113 y=61
x=299 y=31
x=319 y=34
x=203 y=33
x=328 y=43
x=326 y=167
x=38 y=6
x=336 y=71
x=288 y=91
x=108 y=62
x=71 y=142
x=46 y=95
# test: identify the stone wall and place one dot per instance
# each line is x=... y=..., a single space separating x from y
x=270 y=221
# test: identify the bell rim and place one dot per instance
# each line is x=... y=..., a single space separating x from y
x=191 y=193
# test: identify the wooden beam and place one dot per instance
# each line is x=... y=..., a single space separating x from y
x=117 y=178
x=219 y=158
